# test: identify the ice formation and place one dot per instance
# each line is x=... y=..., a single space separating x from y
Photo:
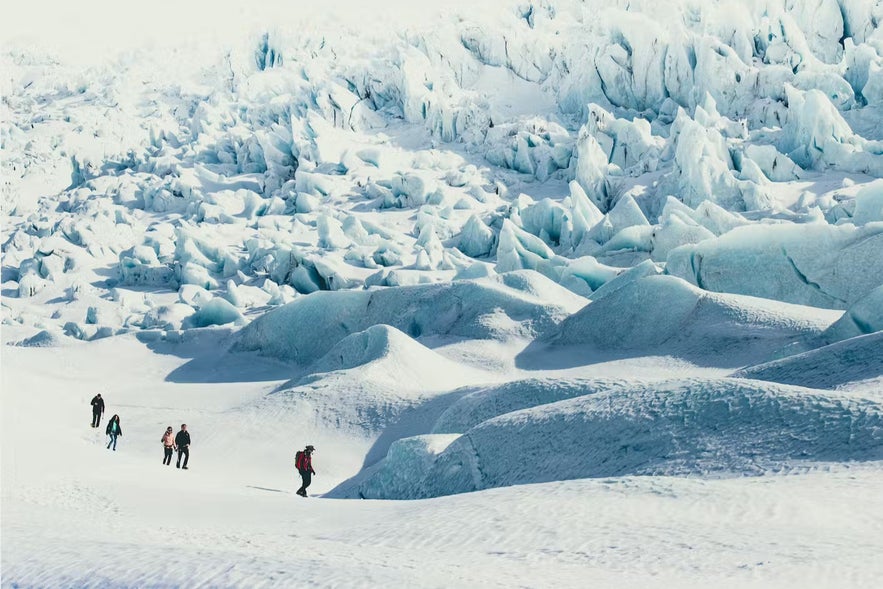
x=681 y=427
x=618 y=132
x=667 y=315
x=519 y=305
x=832 y=366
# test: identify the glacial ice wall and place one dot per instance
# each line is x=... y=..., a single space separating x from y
x=733 y=144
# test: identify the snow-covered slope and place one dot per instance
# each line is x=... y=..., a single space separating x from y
x=519 y=305
x=856 y=359
x=715 y=427
x=666 y=315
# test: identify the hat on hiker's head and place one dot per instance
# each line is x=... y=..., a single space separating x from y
x=310 y=448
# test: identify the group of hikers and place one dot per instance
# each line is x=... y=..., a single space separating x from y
x=180 y=442
x=170 y=442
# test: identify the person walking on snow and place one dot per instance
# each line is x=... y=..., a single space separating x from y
x=182 y=442
x=303 y=460
x=97 y=409
x=168 y=444
x=113 y=430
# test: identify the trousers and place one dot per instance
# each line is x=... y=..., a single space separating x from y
x=306 y=478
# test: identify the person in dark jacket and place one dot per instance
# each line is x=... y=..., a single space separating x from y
x=168 y=445
x=113 y=430
x=97 y=409
x=182 y=441
x=304 y=463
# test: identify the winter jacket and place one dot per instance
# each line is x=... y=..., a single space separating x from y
x=182 y=439
x=304 y=462
x=168 y=439
x=110 y=425
x=97 y=404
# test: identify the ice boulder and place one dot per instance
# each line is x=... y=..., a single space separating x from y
x=217 y=311
x=167 y=317
x=704 y=168
x=401 y=474
x=46 y=338
x=816 y=135
x=499 y=307
x=675 y=231
x=476 y=239
x=869 y=204
x=865 y=316
x=726 y=427
x=855 y=359
x=666 y=315
x=519 y=250
x=584 y=214
x=811 y=264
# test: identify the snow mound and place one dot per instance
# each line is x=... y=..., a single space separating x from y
x=727 y=427
x=851 y=360
x=489 y=402
x=520 y=304
x=44 y=339
x=407 y=463
x=384 y=354
x=669 y=316
x=813 y=264
x=865 y=316
x=369 y=390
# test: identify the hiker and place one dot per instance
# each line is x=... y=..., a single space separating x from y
x=97 y=409
x=113 y=430
x=303 y=460
x=168 y=444
x=182 y=442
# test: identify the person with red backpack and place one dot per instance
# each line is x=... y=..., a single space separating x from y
x=303 y=461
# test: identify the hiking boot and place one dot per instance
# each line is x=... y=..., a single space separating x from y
x=184 y=468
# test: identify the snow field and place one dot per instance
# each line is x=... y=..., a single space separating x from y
x=75 y=513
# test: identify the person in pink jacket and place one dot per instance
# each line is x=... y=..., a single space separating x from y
x=168 y=444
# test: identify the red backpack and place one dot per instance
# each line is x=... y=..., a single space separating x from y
x=299 y=460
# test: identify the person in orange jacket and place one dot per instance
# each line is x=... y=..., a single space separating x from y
x=168 y=444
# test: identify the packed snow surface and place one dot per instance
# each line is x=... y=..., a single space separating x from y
x=599 y=282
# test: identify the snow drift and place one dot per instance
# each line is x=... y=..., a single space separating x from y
x=851 y=360
x=818 y=265
x=518 y=304
x=491 y=401
x=725 y=427
x=666 y=315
